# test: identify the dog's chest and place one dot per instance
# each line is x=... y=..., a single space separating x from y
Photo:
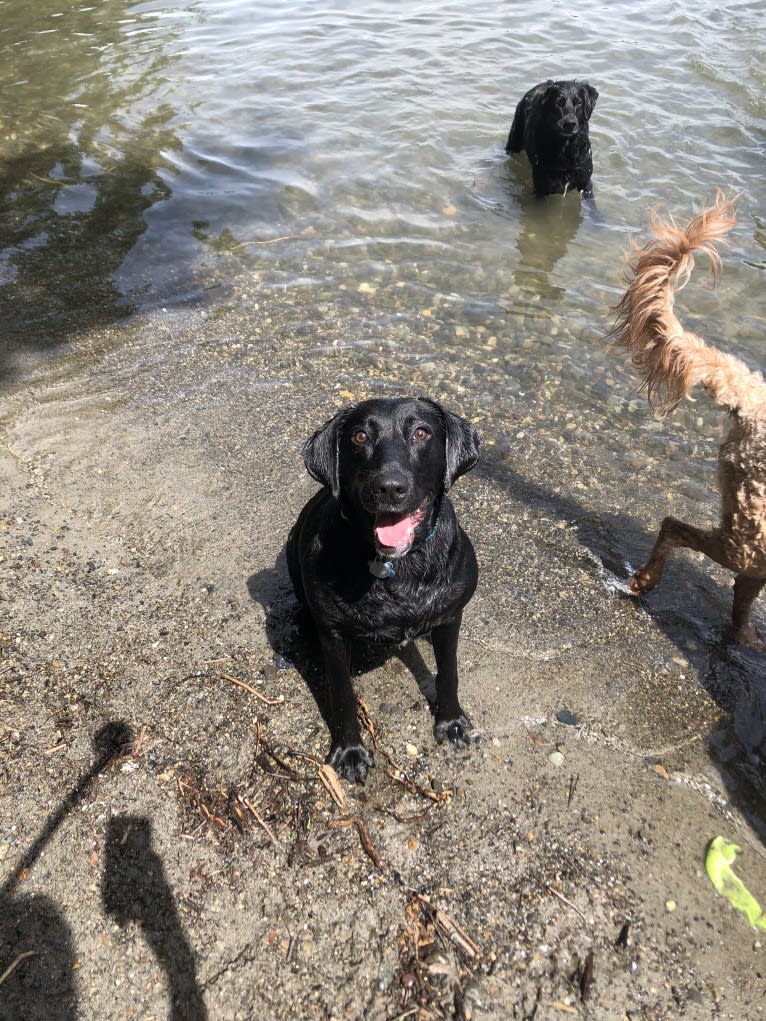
x=393 y=609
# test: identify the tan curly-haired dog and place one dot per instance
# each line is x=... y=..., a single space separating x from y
x=672 y=361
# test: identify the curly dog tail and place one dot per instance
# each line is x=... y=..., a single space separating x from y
x=672 y=360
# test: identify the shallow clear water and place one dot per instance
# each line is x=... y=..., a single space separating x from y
x=346 y=162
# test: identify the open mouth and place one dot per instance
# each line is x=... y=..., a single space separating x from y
x=396 y=532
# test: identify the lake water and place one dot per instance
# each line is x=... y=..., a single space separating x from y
x=344 y=164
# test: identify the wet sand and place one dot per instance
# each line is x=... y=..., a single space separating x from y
x=554 y=869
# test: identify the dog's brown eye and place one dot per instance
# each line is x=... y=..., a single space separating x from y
x=421 y=434
x=360 y=437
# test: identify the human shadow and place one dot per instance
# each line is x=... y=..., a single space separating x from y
x=733 y=675
x=135 y=890
x=37 y=956
x=36 y=952
x=36 y=961
x=293 y=639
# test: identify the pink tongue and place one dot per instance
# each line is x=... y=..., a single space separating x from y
x=399 y=533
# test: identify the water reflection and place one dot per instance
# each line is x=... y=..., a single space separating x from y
x=82 y=158
x=545 y=230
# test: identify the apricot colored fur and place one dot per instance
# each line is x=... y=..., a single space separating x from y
x=672 y=361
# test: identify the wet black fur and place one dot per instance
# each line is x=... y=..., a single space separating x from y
x=551 y=124
x=333 y=541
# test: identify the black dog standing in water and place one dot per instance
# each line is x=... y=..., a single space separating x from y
x=551 y=124
x=378 y=555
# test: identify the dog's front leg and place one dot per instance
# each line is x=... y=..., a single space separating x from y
x=348 y=756
x=746 y=590
x=451 y=721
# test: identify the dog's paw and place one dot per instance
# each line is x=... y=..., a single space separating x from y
x=747 y=636
x=352 y=762
x=642 y=581
x=455 y=731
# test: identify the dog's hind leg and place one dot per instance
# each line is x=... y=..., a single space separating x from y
x=348 y=756
x=674 y=533
x=746 y=591
x=451 y=721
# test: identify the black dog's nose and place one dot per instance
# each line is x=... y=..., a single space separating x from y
x=390 y=485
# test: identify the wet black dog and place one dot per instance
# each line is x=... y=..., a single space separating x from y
x=551 y=124
x=378 y=555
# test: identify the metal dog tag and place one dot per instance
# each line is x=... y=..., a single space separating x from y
x=382 y=568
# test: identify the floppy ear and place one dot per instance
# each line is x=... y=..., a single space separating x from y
x=462 y=444
x=515 y=141
x=320 y=453
x=589 y=97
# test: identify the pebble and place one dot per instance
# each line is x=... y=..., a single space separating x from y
x=568 y=719
x=411 y=750
x=556 y=759
x=385 y=978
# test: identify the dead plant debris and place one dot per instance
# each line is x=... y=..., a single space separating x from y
x=437 y=960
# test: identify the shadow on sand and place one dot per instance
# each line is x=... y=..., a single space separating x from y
x=37 y=955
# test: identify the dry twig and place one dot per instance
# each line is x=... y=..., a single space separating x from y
x=396 y=772
x=15 y=963
x=259 y=819
x=454 y=933
x=332 y=784
x=367 y=844
x=568 y=903
x=252 y=690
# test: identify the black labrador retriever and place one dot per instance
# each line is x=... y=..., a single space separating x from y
x=377 y=554
x=551 y=124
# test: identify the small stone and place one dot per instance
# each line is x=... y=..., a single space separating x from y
x=568 y=719
x=385 y=978
x=670 y=905
x=411 y=750
x=556 y=759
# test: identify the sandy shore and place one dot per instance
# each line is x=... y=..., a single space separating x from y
x=167 y=847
